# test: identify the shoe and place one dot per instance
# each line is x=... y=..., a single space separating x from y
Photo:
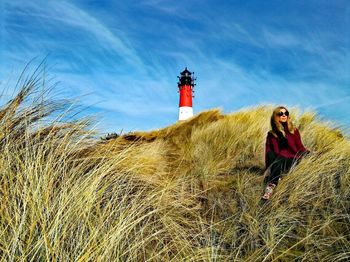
x=268 y=191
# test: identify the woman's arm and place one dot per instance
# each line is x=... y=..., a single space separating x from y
x=271 y=150
x=298 y=142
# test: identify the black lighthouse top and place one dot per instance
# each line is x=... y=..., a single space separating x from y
x=186 y=78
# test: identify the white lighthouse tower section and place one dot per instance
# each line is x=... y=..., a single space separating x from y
x=185 y=112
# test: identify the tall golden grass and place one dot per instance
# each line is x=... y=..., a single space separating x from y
x=187 y=192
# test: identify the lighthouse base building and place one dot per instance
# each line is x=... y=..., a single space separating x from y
x=185 y=112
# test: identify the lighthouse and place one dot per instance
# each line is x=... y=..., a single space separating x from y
x=186 y=84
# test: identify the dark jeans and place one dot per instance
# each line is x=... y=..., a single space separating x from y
x=280 y=166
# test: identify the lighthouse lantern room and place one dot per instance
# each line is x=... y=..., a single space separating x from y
x=186 y=85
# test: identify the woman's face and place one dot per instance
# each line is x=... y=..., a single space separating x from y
x=282 y=115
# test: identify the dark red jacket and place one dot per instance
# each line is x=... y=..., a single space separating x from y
x=295 y=147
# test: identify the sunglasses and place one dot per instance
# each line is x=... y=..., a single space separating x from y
x=283 y=113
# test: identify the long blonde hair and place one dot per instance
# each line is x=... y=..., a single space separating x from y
x=276 y=126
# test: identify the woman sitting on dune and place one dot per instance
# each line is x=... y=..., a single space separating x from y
x=283 y=148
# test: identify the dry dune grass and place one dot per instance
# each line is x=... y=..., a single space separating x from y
x=187 y=192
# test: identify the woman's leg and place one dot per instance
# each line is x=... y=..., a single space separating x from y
x=278 y=167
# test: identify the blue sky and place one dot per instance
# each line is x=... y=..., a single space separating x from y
x=122 y=58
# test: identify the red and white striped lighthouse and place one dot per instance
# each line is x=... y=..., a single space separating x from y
x=186 y=84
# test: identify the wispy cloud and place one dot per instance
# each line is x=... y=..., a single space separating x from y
x=60 y=16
